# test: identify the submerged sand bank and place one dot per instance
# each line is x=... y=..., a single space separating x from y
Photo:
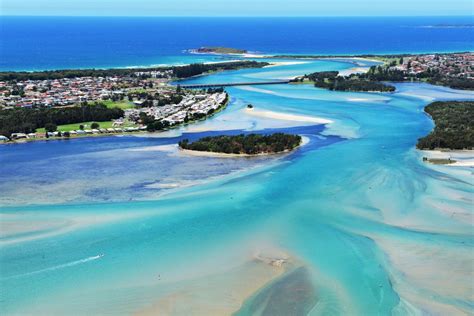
x=285 y=63
x=223 y=293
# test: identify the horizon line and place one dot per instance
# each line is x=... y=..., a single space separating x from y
x=231 y=16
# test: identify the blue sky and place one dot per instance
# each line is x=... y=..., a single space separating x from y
x=237 y=7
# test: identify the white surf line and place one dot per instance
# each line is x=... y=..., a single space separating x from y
x=61 y=266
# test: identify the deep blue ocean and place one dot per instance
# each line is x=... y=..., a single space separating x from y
x=37 y=43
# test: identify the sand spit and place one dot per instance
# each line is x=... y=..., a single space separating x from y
x=355 y=70
x=287 y=116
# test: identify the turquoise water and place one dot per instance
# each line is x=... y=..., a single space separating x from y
x=114 y=225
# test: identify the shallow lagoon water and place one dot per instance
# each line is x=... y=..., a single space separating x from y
x=373 y=228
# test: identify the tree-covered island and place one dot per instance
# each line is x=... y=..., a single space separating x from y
x=252 y=144
x=219 y=50
x=454 y=126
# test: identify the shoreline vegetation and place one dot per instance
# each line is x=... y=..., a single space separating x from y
x=332 y=80
x=22 y=120
x=454 y=126
x=243 y=145
x=179 y=72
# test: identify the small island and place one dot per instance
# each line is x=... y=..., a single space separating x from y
x=454 y=126
x=219 y=50
x=245 y=145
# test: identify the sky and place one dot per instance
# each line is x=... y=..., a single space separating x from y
x=220 y=8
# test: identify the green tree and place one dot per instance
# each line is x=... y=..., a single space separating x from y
x=50 y=127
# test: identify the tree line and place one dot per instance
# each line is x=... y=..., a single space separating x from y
x=250 y=144
x=179 y=71
x=27 y=120
x=454 y=126
x=433 y=76
x=332 y=81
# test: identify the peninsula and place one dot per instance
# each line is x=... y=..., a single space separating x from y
x=452 y=70
x=43 y=104
x=333 y=81
x=454 y=126
x=245 y=145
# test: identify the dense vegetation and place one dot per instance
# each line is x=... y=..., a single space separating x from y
x=179 y=71
x=332 y=81
x=27 y=120
x=454 y=126
x=251 y=144
x=433 y=76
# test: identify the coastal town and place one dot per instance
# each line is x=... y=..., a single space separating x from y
x=454 y=70
x=133 y=100
x=87 y=102
x=459 y=65
x=193 y=105
x=69 y=91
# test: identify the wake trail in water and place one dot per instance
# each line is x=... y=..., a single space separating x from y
x=54 y=268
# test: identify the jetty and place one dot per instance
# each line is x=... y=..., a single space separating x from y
x=230 y=84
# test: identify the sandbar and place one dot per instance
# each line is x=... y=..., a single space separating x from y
x=287 y=116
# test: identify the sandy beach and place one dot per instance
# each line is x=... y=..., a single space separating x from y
x=355 y=70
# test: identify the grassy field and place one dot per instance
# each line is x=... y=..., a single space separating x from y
x=124 y=104
x=303 y=82
x=119 y=104
x=75 y=126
